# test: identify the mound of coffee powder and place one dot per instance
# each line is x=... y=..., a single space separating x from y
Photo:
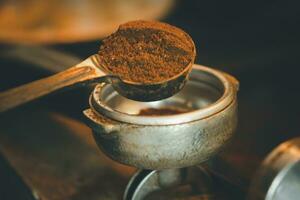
x=147 y=52
x=160 y=111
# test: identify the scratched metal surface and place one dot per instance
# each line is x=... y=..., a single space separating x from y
x=57 y=157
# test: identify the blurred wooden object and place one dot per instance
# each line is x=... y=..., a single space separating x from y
x=62 y=21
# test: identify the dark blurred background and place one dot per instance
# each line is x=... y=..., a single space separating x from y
x=256 y=41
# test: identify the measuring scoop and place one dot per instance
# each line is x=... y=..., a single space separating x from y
x=92 y=70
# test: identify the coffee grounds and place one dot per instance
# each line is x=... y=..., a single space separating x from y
x=147 y=52
x=160 y=111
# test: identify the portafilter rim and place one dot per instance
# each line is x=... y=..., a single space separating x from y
x=229 y=84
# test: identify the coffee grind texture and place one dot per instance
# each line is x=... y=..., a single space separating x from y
x=146 y=52
x=160 y=111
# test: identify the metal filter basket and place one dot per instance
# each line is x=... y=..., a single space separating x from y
x=207 y=121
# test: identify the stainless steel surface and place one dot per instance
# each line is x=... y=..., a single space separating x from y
x=145 y=183
x=278 y=178
x=86 y=71
x=158 y=142
x=208 y=92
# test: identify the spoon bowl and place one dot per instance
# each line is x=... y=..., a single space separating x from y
x=158 y=41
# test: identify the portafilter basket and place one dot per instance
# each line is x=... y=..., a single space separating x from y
x=206 y=121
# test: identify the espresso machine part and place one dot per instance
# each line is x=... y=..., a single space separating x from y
x=154 y=181
x=173 y=141
x=278 y=177
x=203 y=120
